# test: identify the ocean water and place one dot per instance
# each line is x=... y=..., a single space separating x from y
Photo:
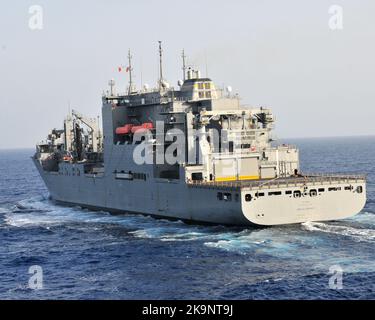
x=95 y=255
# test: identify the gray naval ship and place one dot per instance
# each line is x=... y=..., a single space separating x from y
x=193 y=153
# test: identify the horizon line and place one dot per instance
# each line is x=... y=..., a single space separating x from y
x=279 y=139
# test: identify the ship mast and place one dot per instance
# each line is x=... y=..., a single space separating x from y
x=184 y=64
x=130 y=73
x=160 y=66
x=111 y=84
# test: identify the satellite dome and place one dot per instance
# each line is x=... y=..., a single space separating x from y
x=165 y=84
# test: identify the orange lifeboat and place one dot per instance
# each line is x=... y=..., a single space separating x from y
x=131 y=128
x=143 y=128
x=125 y=129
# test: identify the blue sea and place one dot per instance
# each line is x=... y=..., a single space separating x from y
x=95 y=255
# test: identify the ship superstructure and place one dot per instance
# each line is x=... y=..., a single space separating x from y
x=193 y=153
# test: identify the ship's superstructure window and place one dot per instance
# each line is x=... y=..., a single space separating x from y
x=227 y=197
x=130 y=175
x=197 y=176
x=359 y=189
x=201 y=94
x=288 y=192
x=245 y=146
x=349 y=188
x=200 y=86
x=313 y=193
x=207 y=86
x=139 y=176
x=259 y=194
x=224 y=196
x=208 y=94
x=322 y=190
x=248 y=198
x=231 y=146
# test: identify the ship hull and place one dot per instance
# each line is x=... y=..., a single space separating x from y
x=227 y=204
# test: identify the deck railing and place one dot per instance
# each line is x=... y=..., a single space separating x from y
x=306 y=179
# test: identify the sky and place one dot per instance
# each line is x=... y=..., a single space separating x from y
x=294 y=56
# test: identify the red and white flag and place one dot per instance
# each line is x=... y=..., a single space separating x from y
x=123 y=68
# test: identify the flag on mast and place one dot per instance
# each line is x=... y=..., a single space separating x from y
x=123 y=68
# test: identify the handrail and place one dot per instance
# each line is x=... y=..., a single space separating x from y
x=295 y=181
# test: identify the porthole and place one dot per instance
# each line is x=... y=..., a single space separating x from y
x=297 y=194
x=248 y=197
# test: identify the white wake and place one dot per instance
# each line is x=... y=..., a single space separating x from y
x=358 y=234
